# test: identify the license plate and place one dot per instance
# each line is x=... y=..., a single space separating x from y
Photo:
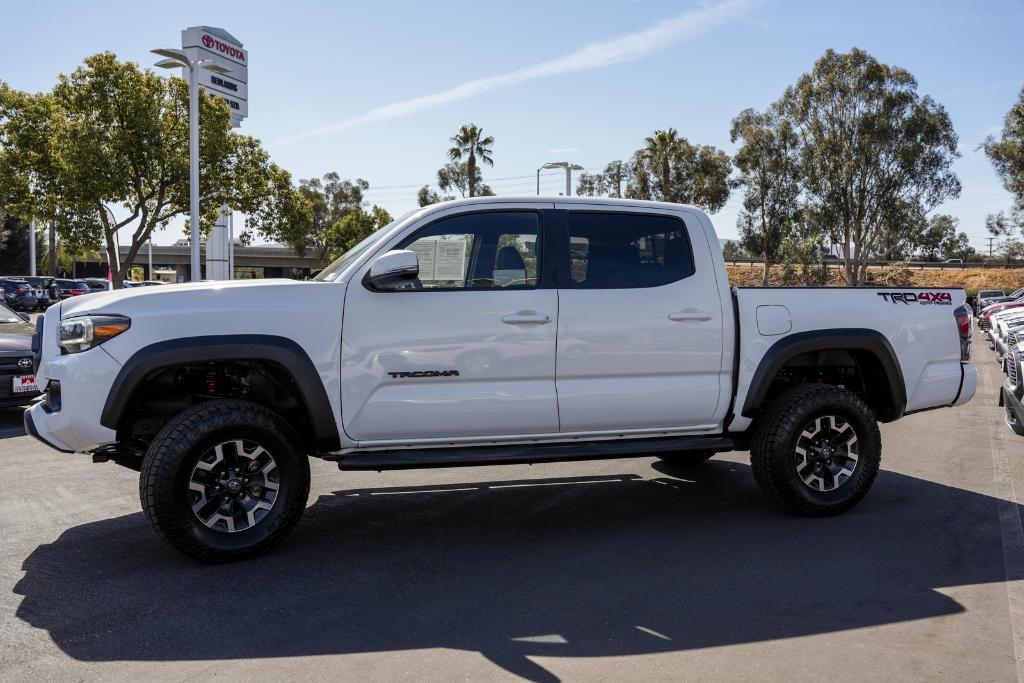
x=24 y=384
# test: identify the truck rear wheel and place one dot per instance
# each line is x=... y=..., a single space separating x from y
x=223 y=481
x=817 y=450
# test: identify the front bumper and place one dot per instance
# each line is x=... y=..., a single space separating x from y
x=1014 y=410
x=85 y=379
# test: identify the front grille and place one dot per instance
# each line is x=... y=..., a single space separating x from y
x=1013 y=358
x=984 y=324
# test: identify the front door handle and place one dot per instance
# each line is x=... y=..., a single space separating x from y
x=525 y=318
x=690 y=314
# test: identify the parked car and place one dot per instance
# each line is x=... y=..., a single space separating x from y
x=987 y=296
x=69 y=288
x=17 y=377
x=1011 y=394
x=474 y=336
x=985 y=317
x=957 y=261
x=150 y=283
x=97 y=284
x=19 y=295
x=43 y=287
x=992 y=300
x=1003 y=325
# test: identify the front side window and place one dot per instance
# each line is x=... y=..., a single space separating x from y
x=490 y=250
x=621 y=250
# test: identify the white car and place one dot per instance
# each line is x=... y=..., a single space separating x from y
x=485 y=331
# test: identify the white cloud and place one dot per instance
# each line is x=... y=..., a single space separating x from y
x=626 y=48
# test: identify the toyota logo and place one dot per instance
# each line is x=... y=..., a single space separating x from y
x=207 y=41
x=25 y=363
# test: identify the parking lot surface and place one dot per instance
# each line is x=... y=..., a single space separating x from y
x=608 y=570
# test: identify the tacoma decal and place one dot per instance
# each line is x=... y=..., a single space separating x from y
x=926 y=298
x=424 y=373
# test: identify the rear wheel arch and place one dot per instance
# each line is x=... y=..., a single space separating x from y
x=869 y=351
x=279 y=352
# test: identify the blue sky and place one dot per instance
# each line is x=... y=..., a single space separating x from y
x=375 y=89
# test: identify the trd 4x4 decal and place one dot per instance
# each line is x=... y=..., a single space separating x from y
x=927 y=298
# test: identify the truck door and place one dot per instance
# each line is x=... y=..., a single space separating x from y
x=469 y=350
x=640 y=325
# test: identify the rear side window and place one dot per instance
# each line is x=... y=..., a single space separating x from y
x=621 y=250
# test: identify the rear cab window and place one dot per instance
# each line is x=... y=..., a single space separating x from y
x=627 y=250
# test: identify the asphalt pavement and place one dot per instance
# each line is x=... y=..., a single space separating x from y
x=607 y=570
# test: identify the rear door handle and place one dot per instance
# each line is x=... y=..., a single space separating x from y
x=525 y=318
x=690 y=314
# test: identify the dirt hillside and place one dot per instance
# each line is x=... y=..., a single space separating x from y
x=971 y=279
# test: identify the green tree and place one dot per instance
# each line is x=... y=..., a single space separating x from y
x=106 y=150
x=671 y=169
x=903 y=232
x=1007 y=156
x=608 y=183
x=353 y=228
x=768 y=162
x=323 y=203
x=470 y=144
x=454 y=177
x=868 y=142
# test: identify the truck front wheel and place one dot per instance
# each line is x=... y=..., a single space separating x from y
x=816 y=450
x=223 y=481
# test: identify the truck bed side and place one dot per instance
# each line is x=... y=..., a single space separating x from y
x=911 y=331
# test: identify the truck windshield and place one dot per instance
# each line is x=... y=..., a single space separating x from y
x=331 y=272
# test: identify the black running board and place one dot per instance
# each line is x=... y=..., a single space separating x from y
x=406 y=459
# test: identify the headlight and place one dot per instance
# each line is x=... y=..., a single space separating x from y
x=83 y=333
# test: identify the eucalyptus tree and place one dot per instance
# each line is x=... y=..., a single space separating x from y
x=769 y=169
x=1007 y=156
x=869 y=141
x=471 y=144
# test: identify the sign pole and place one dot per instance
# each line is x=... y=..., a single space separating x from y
x=32 y=248
x=193 y=167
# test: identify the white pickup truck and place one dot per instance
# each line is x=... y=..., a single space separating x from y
x=485 y=331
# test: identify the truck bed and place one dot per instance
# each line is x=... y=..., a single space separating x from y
x=915 y=325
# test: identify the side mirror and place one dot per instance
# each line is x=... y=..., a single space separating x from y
x=25 y=316
x=392 y=270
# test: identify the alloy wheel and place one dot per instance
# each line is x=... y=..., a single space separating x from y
x=826 y=453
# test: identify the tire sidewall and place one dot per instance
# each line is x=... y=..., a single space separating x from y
x=271 y=434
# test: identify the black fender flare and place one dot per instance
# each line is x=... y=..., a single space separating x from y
x=840 y=339
x=279 y=350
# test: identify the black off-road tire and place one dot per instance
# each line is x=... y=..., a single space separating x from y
x=773 y=456
x=174 y=452
x=686 y=458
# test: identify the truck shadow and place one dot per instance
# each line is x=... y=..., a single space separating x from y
x=11 y=422
x=597 y=566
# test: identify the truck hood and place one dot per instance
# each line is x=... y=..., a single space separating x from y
x=159 y=296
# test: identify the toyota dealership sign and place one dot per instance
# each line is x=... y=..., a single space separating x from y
x=226 y=51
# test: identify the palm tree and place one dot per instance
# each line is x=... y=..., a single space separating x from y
x=470 y=143
x=661 y=149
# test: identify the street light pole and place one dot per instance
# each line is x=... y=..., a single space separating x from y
x=32 y=248
x=569 y=168
x=177 y=59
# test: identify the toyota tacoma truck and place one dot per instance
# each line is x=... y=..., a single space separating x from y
x=489 y=331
